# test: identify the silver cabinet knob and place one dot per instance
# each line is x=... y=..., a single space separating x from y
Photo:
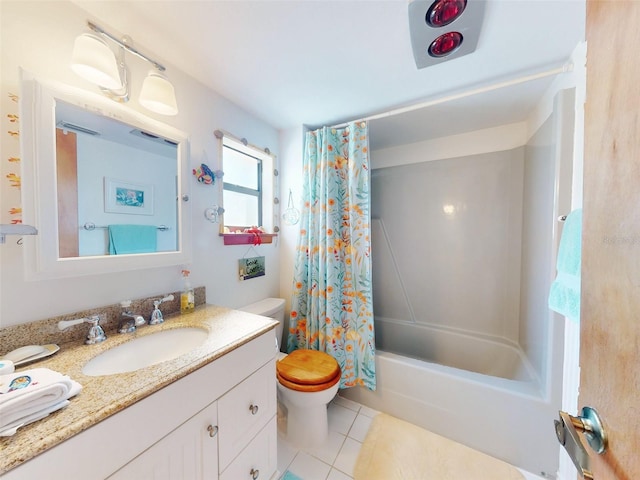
x=253 y=409
x=213 y=430
x=255 y=473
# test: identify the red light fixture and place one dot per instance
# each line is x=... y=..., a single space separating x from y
x=445 y=44
x=455 y=23
x=443 y=12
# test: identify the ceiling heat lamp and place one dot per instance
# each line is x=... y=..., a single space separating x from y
x=444 y=29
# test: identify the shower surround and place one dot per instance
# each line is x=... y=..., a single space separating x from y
x=463 y=253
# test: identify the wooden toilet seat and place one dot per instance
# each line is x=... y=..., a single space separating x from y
x=308 y=371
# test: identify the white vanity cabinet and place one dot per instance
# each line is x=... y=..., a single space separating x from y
x=217 y=422
x=234 y=436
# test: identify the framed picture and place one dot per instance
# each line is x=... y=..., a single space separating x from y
x=124 y=197
x=251 y=267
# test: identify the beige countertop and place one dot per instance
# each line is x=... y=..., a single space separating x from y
x=106 y=395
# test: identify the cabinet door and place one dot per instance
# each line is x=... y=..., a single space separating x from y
x=189 y=452
x=258 y=460
x=244 y=410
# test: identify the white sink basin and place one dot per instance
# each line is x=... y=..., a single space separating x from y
x=145 y=351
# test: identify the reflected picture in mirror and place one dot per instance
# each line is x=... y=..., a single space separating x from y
x=110 y=173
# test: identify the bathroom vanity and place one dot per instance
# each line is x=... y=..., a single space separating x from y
x=210 y=413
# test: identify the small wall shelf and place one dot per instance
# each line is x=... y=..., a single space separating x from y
x=246 y=238
x=16 y=229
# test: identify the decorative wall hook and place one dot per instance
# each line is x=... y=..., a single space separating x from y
x=213 y=214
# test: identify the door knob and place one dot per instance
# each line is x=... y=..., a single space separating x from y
x=567 y=431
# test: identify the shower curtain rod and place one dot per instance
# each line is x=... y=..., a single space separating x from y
x=567 y=67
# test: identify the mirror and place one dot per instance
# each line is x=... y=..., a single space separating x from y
x=105 y=185
x=109 y=173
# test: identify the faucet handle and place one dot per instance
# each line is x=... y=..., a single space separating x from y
x=64 y=324
x=168 y=298
x=96 y=333
x=156 y=316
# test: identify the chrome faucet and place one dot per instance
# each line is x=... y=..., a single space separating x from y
x=96 y=333
x=156 y=316
x=129 y=321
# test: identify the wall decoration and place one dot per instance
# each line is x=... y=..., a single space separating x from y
x=13 y=162
x=251 y=267
x=14 y=180
x=17 y=211
x=204 y=174
x=291 y=215
x=129 y=198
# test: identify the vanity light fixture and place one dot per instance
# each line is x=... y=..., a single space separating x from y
x=158 y=95
x=94 y=61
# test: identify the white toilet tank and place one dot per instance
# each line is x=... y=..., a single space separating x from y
x=269 y=307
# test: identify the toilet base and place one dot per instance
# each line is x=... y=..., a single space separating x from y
x=307 y=423
x=307 y=427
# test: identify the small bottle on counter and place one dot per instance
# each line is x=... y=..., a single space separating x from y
x=187 y=297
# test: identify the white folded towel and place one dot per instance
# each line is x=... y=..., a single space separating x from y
x=31 y=395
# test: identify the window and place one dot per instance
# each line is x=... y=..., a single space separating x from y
x=242 y=196
x=248 y=188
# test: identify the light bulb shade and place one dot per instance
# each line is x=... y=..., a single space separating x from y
x=158 y=94
x=93 y=60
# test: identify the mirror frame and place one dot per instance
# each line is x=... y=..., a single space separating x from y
x=39 y=190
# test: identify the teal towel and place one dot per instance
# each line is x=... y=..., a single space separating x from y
x=132 y=239
x=564 y=296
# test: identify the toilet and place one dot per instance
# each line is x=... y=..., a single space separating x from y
x=307 y=381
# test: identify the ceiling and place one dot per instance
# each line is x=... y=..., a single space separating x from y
x=325 y=62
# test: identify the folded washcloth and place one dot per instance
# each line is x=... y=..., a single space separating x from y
x=132 y=239
x=32 y=394
x=564 y=296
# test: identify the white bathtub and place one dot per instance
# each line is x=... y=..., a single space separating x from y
x=463 y=350
x=507 y=418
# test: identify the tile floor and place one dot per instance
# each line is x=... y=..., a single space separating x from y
x=336 y=458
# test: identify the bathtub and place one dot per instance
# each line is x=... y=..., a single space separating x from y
x=486 y=397
x=469 y=351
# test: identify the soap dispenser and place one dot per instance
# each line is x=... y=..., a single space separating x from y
x=187 y=297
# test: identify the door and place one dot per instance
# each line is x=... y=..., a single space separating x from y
x=610 y=322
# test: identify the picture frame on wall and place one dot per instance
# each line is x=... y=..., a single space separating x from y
x=128 y=198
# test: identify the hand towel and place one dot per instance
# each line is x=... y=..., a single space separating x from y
x=132 y=239
x=564 y=296
x=27 y=396
x=13 y=427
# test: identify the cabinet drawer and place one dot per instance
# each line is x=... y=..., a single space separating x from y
x=258 y=460
x=244 y=410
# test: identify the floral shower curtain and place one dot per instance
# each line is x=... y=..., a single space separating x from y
x=332 y=309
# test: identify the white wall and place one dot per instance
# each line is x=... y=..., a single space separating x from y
x=39 y=37
x=292 y=146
